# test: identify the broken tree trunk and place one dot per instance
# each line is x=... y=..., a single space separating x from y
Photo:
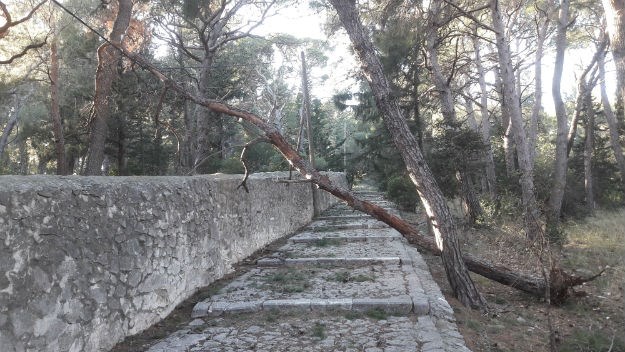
x=560 y=281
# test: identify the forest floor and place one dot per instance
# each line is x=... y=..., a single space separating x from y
x=592 y=320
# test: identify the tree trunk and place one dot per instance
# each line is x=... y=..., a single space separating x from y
x=201 y=127
x=55 y=111
x=541 y=35
x=611 y=119
x=431 y=196
x=579 y=106
x=615 y=16
x=24 y=159
x=489 y=160
x=581 y=95
x=531 y=213
x=8 y=128
x=122 y=160
x=106 y=73
x=588 y=149
x=561 y=159
x=14 y=117
x=508 y=135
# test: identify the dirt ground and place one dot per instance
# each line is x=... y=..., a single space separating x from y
x=591 y=321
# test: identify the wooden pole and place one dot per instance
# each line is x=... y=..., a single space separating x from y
x=306 y=116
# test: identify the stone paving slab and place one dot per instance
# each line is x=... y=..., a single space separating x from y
x=338 y=224
x=384 y=247
x=376 y=280
x=347 y=235
x=345 y=283
x=327 y=261
x=293 y=332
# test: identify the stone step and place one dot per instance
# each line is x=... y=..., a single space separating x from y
x=347 y=235
x=339 y=248
x=344 y=217
x=330 y=261
x=393 y=305
x=336 y=238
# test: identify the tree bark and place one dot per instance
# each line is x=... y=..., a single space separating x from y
x=541 y=35
x=13 y=119
x=588 y=149
x=615 y=16
x=508 y=135
x=561 y=158
x=530 y=209
x=203 y=126
x=491 y=176
x=8 y=128
x=432 y=198
x=106 y=73
x=611 y=119
x=55 y=111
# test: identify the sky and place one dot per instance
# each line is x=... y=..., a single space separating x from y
x=303 y=22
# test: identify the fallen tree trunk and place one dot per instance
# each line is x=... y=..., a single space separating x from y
x=560 y=282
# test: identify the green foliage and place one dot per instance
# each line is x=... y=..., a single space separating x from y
x=376 y=314
x=319 y=330
x=597 y=340
x=287 y=281
x=231 y=166
x=401 y=190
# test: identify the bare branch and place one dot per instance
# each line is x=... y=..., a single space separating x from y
x=468 y=15
x=10 y=23
x=23 y=52
x=244 y=161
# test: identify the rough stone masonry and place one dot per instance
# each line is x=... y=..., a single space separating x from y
x=86 y=261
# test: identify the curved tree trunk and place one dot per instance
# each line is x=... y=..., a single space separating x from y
x=431 y=196
x=561 y=159
x=611 y=119
x=530 y=209
x=615 y=16
x=106 y=73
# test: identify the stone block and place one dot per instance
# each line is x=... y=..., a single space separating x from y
x=243 y=307
x=397 y=305
x=301 y=304
x=318 y=304
x=268 y=262
x=200 y=310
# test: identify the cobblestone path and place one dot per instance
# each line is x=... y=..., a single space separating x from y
x=347 y=282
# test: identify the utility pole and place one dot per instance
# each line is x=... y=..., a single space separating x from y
x=306 y=116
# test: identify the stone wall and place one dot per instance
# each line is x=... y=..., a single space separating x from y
x=86 y=261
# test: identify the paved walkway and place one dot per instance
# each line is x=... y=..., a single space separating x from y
x=347 y=282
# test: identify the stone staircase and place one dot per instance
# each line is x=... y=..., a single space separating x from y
x=346 y=282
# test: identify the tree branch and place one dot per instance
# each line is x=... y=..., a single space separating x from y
x=23 y=52
x=244 y=161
